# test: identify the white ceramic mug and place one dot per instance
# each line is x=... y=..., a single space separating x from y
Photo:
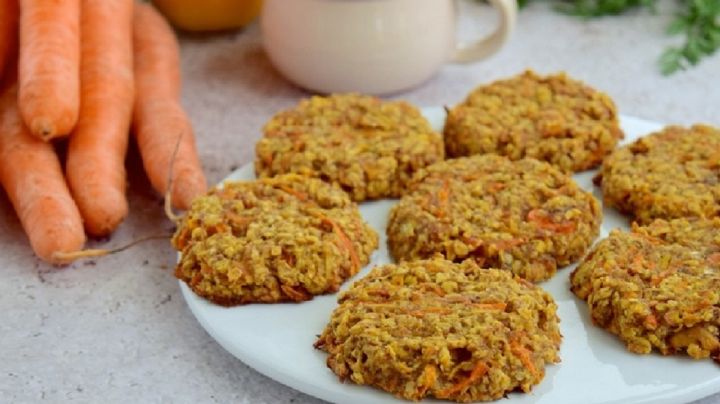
x=370 y=46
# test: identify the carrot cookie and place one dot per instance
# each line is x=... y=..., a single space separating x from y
x=523 y=216
x=669 y=174
x=657 y=287
x=552 y=118
x=440 y=329
x=281 y=239
x=369 y=147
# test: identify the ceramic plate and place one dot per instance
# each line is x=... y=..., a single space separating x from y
x=277 y=340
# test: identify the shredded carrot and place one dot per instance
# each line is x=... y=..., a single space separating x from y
x=657 y=279
x=295 y=293
x=503 y=245
x=651 y=321
x=544 y=222
x=300 y=195
x=428 y=378
x=478 y=371
x=714 y=258
x=431 y=287
x=443 y=198
x=524 y=355
x=237 y=220
x=344 y=242
x=429 y=310
x=494 y=187
x=490 y=306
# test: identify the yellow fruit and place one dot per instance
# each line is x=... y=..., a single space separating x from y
x=209 y=15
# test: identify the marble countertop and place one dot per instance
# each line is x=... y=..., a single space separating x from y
x=116 y=329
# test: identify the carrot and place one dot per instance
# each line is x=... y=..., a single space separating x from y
x=295 y=293
x=443 y=198
x=427 y=380
x=544 y=222
x=714 y=258
x=524 y=355
x=478 y=371
x=31 y=174
x=8 y=31
x=429 y=310
x=162 y=129
x=344 y=242
x=490 y=306
x=95 y=166
x=49 y=95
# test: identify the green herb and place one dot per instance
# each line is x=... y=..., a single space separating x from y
x=701 y=25
x=697 y=20
x=599 y=8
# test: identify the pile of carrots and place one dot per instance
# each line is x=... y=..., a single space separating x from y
x=93 y=72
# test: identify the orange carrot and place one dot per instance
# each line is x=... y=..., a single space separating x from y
x=31 y=174
x=490 y=306
x=478 y=371
x=160 y=124
x=96 y=154
x=714 y=258
x=427 y=380
x=8 y=31
x=544 y=222
x=524 y=355
x=344 y=242
x=49 y=95
x=443 y=198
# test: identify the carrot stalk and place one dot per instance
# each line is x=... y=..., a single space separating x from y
x=8 y=31
x=159 y=121
x=31 y=174
x=49 y=66
x=96 y=153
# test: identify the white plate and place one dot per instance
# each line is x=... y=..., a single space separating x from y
x=277 y=340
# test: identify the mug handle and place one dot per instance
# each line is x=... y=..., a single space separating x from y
x=481 y=49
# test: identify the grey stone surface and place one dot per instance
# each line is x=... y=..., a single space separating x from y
x=117 y=330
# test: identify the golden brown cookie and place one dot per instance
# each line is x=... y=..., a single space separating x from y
x=657 y=286
x=669 y=174
x=281 y=239
x=439 y=329
x=369 y=147
x=551 y=118
x=523 y=216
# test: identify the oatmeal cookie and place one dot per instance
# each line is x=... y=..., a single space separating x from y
x=367 y=146
x=552 y=118
x=669 y=174
x=440 y=329
x=281 y=239
x=524 y=216
x=657 y=286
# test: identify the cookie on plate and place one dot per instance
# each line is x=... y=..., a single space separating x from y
x=552 y=118
x=524 y=216
x=669 y=174
x=435 y=328
x=286 y=238
x=367 y=146
x=657 y=286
